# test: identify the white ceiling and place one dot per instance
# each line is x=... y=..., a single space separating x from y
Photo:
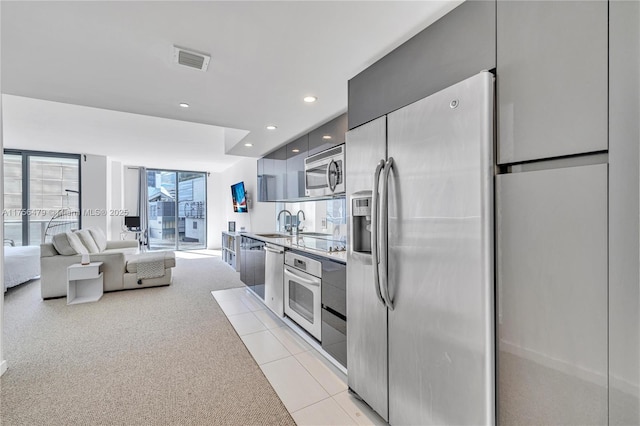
x=113 y=62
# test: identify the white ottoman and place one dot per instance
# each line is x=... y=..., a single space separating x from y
x=131 y=274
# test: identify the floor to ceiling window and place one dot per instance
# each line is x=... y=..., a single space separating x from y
x=41 y=195
x=177 y=210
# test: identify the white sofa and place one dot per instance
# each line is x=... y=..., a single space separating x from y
x=57 y=256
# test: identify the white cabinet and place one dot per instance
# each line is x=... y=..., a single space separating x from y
x=84 y=283
x=552 y=296
x=551 y=79
x=231 y=249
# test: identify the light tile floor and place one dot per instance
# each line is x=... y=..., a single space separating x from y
x=313 y=389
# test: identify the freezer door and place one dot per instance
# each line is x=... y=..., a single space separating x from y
x=367 y=317
x=441 y=275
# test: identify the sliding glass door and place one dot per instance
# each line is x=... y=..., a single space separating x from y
x=177 y=210
x=41 y=195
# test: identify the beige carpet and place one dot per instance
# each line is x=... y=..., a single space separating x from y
x=157 y=356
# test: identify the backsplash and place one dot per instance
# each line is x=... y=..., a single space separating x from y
x=327 y=217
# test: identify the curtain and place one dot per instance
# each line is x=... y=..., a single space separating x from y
x=143 y=205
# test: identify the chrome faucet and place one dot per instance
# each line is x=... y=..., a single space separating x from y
x=298 y=221
x=285 y=220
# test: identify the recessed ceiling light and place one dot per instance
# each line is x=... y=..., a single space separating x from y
x=184 y=105
x=271 y=127
x=295 y=150
x=248 y=144
x=310 y=99
x=326 y=137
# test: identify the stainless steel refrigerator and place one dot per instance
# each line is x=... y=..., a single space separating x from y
x=420 y=262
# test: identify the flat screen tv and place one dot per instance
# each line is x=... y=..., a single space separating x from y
x=132 y=222
x=239 y=197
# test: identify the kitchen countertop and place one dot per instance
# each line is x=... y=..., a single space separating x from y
x=289 y=242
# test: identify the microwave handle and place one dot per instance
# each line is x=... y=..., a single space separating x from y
x=331 y=165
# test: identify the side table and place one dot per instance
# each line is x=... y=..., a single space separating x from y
x=84 y=283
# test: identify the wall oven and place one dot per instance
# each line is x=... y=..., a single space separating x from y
x=324 y=172
x=302 y=292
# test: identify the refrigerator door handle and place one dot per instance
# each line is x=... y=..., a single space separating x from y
x=374 y=230
x=384 y=235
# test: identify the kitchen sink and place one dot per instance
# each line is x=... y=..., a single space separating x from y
x=274 y=235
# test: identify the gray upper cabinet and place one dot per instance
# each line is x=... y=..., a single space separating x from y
x=296 y=153
x=551 y=78
x=272 y=182
x=281 y=173
x=552 y=296
x=460 y=44
x=328 y=135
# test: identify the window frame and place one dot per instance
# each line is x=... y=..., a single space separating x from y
x=26 y=155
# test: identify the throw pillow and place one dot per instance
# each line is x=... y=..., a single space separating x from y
x=99 y=237
x=88 y=241
x=62 y=245
x=76 y=244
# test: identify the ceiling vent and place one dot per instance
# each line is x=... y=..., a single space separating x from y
x=191 y=58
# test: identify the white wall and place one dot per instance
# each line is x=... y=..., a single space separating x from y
x=95 y=208
x=261 y=216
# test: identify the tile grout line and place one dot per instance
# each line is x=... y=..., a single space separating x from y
x=318 y=402
x=330 y=396
x=348 y=413
x=314 y=377
x=303 y=367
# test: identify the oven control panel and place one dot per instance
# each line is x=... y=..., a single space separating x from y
x=303 y=263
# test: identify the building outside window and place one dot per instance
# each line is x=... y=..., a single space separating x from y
x=42 y=195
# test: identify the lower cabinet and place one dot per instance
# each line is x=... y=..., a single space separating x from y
x=252 y=264
x=334 y=310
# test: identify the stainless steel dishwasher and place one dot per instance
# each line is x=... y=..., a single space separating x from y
x=274 y=278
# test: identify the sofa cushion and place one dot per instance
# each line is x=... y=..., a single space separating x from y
x=76 y=244
x=99 y=237
x=48 y=250
x=62 y=244
x=88 y=241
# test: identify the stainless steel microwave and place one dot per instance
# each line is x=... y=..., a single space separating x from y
x=324 y=172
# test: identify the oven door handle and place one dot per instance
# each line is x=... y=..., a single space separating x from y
x=297 y=277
